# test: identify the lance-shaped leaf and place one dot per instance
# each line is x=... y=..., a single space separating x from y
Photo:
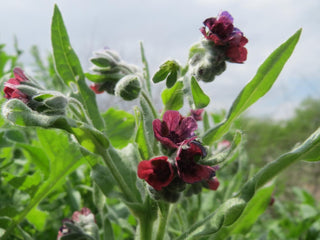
x=69 y=68
x=222 y=224
x=256 y=88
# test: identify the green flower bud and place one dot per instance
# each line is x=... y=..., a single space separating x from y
x=206 y=61
x=128 y=88
x=56 y=102
x=106 y=58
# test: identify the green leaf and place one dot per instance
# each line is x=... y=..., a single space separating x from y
x=255 y=207
x=173 y=98
x=168 y=71
x=256 y=88
x=219 y=222
x=64 y=155
x=37 y=218
x=69 y=68
x=200 y=99
x=90 y=138
x=305 y=151
x=37 y=156
x=140 y=138
x=146 y=74
x=66 y=61
x=120 y=127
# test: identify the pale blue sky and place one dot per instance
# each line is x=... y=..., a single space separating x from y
x=169 y=27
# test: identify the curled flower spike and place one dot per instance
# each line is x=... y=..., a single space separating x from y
x=10 y=89
x=158 y=172
x=173 y=129
x=221 y=31
x=189 y=170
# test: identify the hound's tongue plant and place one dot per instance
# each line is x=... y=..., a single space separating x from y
x=154 y=174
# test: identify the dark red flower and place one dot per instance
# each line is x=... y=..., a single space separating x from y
x=158 y=172
x=196 y=114
x=221 y=31
x=173 y=129
x=10 y=89
x=213 y=183
x=189 y=170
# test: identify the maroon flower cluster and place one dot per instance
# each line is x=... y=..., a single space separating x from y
x=10 y=87
x=176 y=133
x=221 y=31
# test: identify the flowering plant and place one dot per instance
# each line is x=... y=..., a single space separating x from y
x=162 y=173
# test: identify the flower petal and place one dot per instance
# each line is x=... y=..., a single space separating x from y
x=157 y=172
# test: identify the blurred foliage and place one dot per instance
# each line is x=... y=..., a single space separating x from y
x=266 y=139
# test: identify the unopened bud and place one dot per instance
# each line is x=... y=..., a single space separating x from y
x=105 y=58
x=128 y=88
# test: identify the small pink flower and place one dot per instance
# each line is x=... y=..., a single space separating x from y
x=10 y=89
x=158 y=172
x=173 y=129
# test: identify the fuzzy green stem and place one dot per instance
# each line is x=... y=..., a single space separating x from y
x=163 y=221
x=118 y=177
x=146 y=227
x=148 y=100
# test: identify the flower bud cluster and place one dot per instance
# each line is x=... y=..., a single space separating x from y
x=169 y=176
x=111 y=74
x=223 y=42
x=25 y=89
x=82 y=224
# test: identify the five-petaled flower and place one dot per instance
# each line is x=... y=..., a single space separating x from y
x=221 y=31
x=188 y=169
x=158 y=172
x=10 y=87
x=173 y=129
